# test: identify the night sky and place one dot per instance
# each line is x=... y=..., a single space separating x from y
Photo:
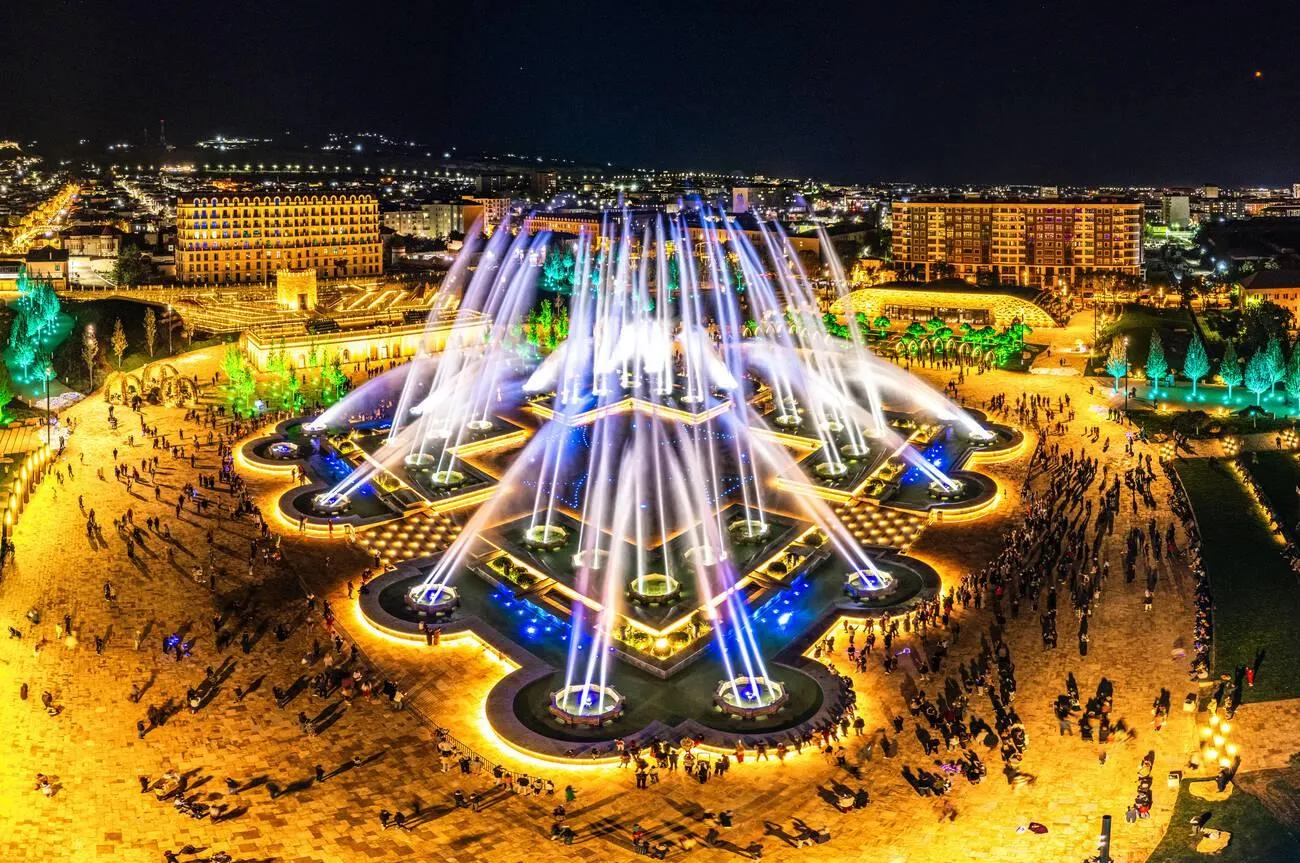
x=1140 y=92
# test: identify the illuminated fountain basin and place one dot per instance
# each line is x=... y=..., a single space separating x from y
x=704 y=555
x=545 y=536
x=831 y=470
x=436 y=600
x=479 y=426
x=982 y=438
x=315 y=429
x=852 y=450
x=654 y=588
x=788 y=420
x=588 y=704
x=750 y=697
x=330 y=503
x=590 y=558
x=446 y=479
x=954 y=489
x=283 y=449
x=865 y=584
x=749 y=530
x=419 y=461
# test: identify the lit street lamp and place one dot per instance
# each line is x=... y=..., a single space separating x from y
x=169 y=328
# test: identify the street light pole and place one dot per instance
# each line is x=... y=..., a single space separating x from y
x=169 y=328
x=1126 y=369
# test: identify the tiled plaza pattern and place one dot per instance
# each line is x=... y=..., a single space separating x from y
x=92 y=753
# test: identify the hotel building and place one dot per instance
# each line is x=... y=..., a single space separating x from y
x=242 y=239
x=1022 y=242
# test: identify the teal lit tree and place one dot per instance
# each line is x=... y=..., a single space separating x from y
x=1196 y=364
x=558 y=269
x=1276 y=361
x=1291 y=380
x=1157 y=366
x=1117 y=360
x=1230 y=369
x=1259 y=374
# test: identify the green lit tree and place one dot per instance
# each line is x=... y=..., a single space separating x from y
x=1259 y=374
x=880 y=325
x=1196 y=364
x=1276 y=361
x=6 y=394
x=558 y=268
x=1117 y=360
x=1291 y=380
x=1157 y=366
x=1230 y=369
x=118 y=341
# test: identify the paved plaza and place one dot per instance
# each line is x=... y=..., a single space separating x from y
x=375 y=758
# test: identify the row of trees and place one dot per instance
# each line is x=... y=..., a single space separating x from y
x=34 y=325
x=287 y=388
x=1262 y=372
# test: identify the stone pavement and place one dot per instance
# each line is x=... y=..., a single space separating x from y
x=92 y=753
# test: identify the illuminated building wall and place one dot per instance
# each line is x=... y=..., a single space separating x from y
x=245 y=239
x=1024 y=243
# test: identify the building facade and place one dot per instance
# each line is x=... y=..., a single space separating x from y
x=428 y=221
x=224 y=238
x=1021 y=243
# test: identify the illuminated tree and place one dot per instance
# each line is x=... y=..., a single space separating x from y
x=1230 y=369
x=6 y=394
x=558 y=268
x=333 y=383
x=150 y=329
x=1196 y=364
x=1276 y=361
x=1259 y=374
x=117 y=343
x=880 y=324
x=1117 y=361
x=23 y=354
x=1157 y=366
x=89 y=350
x=1291 y=380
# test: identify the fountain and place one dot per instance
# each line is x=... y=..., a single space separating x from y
x=446 y=479
x=283 y=449
x=870 y=584
x=654 y=588
x=853 y=450
x=831 y=469
x=479 y=426
x=330 y=503
x=750 y=697
x=547 y=537
x=749 y=530
x=789 y=420
x=436 y=600
x=591 y=558
x=981 y=437
x=951 y=489
x=703 y=555
x=419 y=461
x=586 y=704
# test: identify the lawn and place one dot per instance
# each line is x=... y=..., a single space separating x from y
x=1256 y=595
x=1137 y=323
x=1278 y=473
x=1257 y=837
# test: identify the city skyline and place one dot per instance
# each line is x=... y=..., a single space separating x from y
x=1019 y=95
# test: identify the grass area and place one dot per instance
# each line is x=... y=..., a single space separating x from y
x=1137 y=323
x=1256 y=595
x=1278 y=473
x=1199 y=424
x=1257 y=837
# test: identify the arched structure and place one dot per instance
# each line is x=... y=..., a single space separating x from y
x=899 y=301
